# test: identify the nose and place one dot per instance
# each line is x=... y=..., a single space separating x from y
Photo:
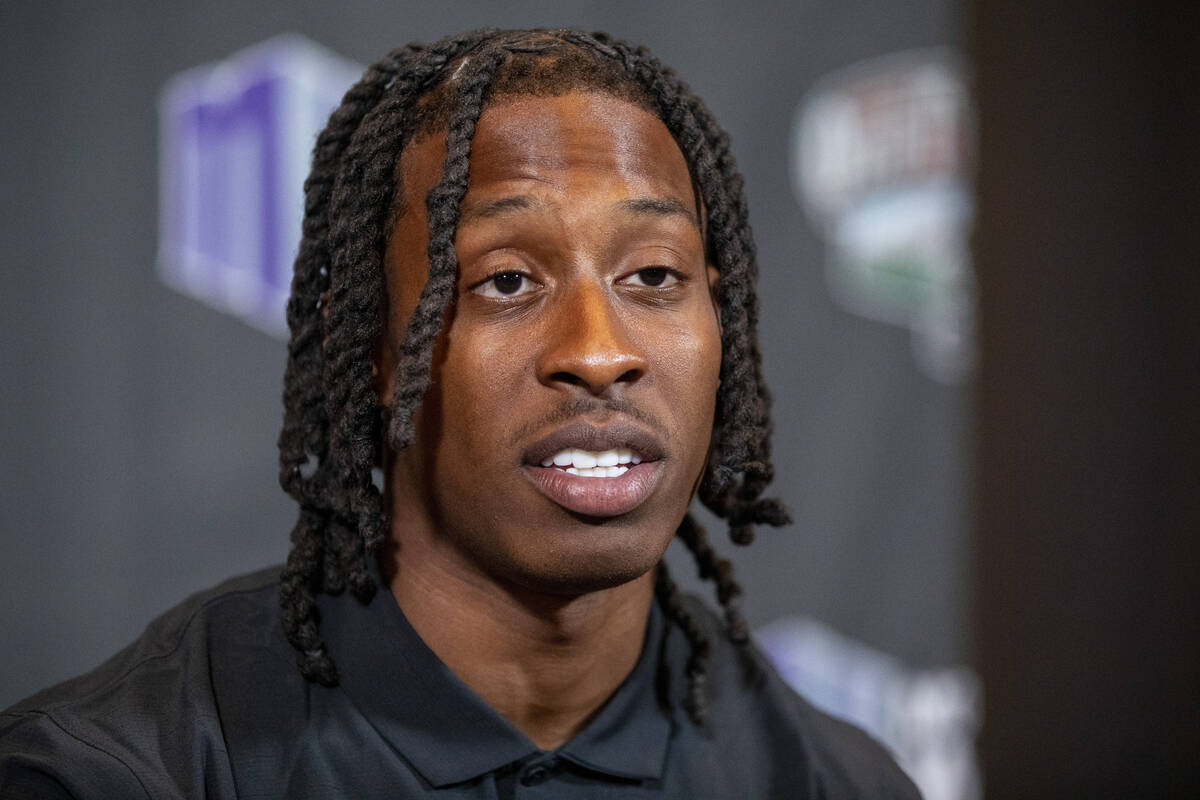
x=588 y=344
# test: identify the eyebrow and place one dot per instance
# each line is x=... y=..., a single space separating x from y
x=642 y=206
x=497 y=208
x=663 y=208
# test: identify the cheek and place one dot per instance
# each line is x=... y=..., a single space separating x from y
x=482 y=385
x=692 y=354
x=688 y=367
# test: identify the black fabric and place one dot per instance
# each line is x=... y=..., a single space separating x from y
x=208 y=703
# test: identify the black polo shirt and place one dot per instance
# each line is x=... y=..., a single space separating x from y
x=208 y=703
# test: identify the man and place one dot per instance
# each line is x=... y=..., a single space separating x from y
x=525 y=293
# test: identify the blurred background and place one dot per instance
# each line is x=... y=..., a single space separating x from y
x=977 y=225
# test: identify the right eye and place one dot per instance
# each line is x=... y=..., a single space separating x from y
x=507 y=283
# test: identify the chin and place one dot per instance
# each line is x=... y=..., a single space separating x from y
x=572 y=583
x=567 y=569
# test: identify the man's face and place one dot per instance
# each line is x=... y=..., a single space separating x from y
x=584 y=329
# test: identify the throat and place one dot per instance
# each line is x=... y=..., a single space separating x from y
x=547 y=665
x=550 y=712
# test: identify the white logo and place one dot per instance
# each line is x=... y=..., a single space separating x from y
x=928 y=718
x=880 y=157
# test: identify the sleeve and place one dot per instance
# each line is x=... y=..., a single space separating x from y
x=40 y=759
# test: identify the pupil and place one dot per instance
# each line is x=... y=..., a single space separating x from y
x=653 y=276
x=507 y=282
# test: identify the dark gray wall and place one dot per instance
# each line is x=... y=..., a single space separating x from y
x=138 y=461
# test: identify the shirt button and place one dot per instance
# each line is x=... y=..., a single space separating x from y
x=535 y=775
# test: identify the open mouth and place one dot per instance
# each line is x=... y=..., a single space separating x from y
x=599 y=472
x=606 y=464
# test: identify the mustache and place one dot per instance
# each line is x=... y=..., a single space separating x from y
x=595 y=409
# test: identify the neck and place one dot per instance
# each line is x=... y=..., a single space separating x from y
x=545 y=662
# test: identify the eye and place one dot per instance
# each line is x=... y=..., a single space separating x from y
x=508 y=283
x=654 y=277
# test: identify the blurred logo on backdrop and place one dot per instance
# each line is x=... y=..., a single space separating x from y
x=881 y=158
x=927 y=718
x=236 y=139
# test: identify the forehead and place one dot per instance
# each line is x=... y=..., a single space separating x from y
x=578 y=140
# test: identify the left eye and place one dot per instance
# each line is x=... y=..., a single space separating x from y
x=654 y=277
x=505 y=284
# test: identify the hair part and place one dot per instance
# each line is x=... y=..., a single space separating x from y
x=333 y=430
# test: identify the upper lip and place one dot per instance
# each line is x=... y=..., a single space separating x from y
x=584 y=435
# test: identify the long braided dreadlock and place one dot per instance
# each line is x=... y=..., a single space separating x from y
x=333 y=429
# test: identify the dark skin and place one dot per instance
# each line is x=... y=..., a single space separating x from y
x=584 y=297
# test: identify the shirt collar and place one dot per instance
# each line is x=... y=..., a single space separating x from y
x=447 y=732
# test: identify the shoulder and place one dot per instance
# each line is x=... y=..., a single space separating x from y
x=832 y=758
x=151 y=710
x=234 y=609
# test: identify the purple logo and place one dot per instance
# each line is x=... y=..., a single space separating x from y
x=235 y=144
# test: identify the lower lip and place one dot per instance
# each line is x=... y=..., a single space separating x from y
x=597 y=497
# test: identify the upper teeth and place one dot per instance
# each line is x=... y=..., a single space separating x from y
x=605 y=464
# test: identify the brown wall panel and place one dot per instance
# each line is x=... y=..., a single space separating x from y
x=1087 y=429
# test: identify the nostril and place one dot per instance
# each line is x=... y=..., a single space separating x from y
x=629 y=376
x=568 y=377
